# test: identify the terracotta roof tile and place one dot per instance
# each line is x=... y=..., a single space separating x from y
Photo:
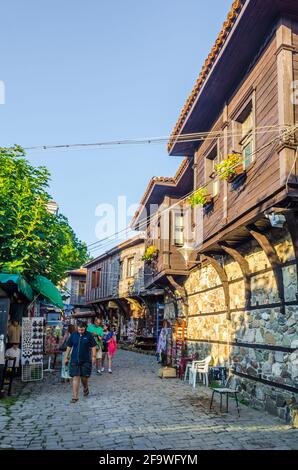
x=160 y=179
x=77 y=272
x=227 y=26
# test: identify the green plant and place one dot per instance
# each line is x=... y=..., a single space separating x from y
x=150 y=253
x=33 y=240
x=200 y=197
x=229 y=167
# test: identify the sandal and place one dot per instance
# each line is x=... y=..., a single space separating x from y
x=86 y=392
x=74 y=400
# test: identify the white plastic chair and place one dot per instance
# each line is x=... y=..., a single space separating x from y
x=188 y=367
x=201 y=368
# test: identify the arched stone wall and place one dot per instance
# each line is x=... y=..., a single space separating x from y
x=260 y=342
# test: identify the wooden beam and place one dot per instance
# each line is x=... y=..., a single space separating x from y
x=285 y=74
x=98 y=308
x=244 y=266
x=224 y=280
x=273 y=258
x=123 y=307
x=175 y=285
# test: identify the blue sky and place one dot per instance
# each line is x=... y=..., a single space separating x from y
x=100 y=70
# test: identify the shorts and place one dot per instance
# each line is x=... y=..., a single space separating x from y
x=105 y=348
x=98 y=353
x=82 y=369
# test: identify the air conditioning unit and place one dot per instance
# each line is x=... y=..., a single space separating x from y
x=276 y=220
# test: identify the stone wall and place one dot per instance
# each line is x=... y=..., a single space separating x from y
x=260 y=343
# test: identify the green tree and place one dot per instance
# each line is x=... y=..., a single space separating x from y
x=32 y=240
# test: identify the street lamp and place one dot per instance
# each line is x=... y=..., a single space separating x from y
x=186 y=250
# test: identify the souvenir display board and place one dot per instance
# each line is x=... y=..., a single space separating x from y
x=32 y=348
x=32 y=340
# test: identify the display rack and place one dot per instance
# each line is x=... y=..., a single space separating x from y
x=32 y=349
x=179 y=342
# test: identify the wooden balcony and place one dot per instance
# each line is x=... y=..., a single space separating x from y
x=168 y=262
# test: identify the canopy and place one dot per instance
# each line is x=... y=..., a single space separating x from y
x=47 y=289
x=20 y=281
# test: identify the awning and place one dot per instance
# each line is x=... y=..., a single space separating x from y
x=47 y=289
x=20 y=282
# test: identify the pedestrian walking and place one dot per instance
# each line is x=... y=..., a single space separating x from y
x=96 y=330
x=65 y=367
x=109 y=347
x=81 y=349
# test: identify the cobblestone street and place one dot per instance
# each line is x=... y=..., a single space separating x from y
x=134 y=409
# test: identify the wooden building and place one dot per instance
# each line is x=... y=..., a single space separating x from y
x=236 y=288
x=161 y=215
x=74 y=288
x=116 y=290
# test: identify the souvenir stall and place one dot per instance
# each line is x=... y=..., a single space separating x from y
x=22 y=323
x=51 y=310
x=16 y=296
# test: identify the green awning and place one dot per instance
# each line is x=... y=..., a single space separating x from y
x=47 y=289
x=20 y=281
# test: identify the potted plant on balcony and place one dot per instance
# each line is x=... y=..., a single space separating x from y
x=231 y=167
x=150 y=254
x=201 y=197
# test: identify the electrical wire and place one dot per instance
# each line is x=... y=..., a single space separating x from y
x=287 y=131
x=184 y=138
x=181 y=199
x=147 y=220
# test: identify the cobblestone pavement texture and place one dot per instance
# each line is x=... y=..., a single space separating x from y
x=133 y=408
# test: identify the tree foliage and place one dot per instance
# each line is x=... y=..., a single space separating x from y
x=32 y=240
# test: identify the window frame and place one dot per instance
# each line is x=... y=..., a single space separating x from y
x=81 y=292
x=177 y=241
x=130 y=262
x=96 y=278
x=239 y=117
x=212 y=159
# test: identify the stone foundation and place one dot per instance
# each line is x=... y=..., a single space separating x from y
x=260 y=342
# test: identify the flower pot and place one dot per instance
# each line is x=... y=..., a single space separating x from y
x=239 y=170
x=208 y=199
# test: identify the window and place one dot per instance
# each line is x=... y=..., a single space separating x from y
x=95 y=278
x=244 y=137
x=130 y=267
x=82 y=286
x=178 y=228
x=120 y=270
x=211 y=180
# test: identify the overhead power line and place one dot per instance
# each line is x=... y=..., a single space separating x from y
x=184 y=138
x=100 y=245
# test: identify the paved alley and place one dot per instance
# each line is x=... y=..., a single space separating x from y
x=133 y=409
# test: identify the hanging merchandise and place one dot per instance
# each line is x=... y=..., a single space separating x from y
x=131 y=330
x=178 y=342
x=163 y=343
x=52 y=339
x=32 y=349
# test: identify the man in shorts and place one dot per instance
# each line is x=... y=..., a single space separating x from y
x=81 y=348
x=97 y=331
